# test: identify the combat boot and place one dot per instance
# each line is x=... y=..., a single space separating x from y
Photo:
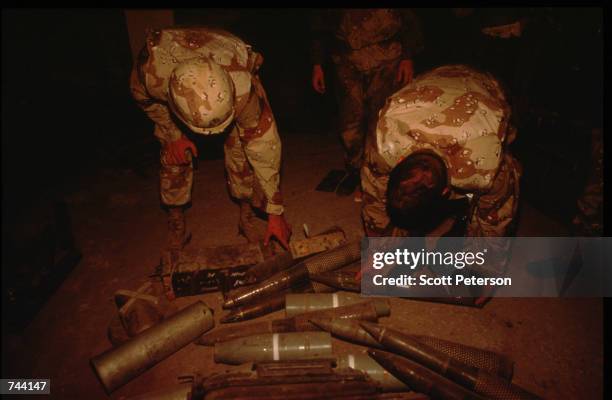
x=177 y=232
x=247 y=224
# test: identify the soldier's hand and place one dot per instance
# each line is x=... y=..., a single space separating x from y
x=175 y=153
x=405 y=72
x=318 y=79
x=277 y=227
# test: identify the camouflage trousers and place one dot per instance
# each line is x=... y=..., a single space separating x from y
x=361 y=95
x=176 y=181
x=589 y=219
x=491 y=214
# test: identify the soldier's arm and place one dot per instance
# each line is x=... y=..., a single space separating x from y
x=165 y=128
x=411 y=34
x=492 y=220
x=495 y=210
x=319 y=32
x=374 y=212
x=262 y=145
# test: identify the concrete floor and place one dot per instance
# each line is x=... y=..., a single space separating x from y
x=557 y=344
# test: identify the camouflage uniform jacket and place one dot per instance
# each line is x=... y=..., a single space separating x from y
x=166 y=48
x=462 y=116
x=365 y=38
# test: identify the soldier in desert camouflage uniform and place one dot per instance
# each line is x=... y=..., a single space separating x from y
x=372 y=51
x=460 y=116
x=444 y=138
x=207 y=79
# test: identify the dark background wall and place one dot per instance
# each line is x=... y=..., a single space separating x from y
x=64 y=97
x=66 y=108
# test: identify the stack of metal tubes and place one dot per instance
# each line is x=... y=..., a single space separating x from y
x=284 y=273
x=396 y=362
x=293 y=357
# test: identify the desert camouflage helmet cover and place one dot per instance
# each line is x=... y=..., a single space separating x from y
x=201 y=94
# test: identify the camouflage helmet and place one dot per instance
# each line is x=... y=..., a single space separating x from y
x=201 y=94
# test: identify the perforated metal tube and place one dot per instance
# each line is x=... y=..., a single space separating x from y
x=487 y=360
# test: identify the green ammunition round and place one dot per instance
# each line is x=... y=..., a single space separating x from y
x=346 y=329
x=295 y=275
x=274 y=347
x=298 y=303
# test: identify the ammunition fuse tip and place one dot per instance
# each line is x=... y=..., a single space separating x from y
x=373 y=329
x=379 y=356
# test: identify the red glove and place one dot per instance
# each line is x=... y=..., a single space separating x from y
x=405 y=72
x=277 y=227
x=175 y=153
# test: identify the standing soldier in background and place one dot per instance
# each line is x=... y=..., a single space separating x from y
x=372 y=51
x=506 y=48
x=589 y=217
x=206 y=80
